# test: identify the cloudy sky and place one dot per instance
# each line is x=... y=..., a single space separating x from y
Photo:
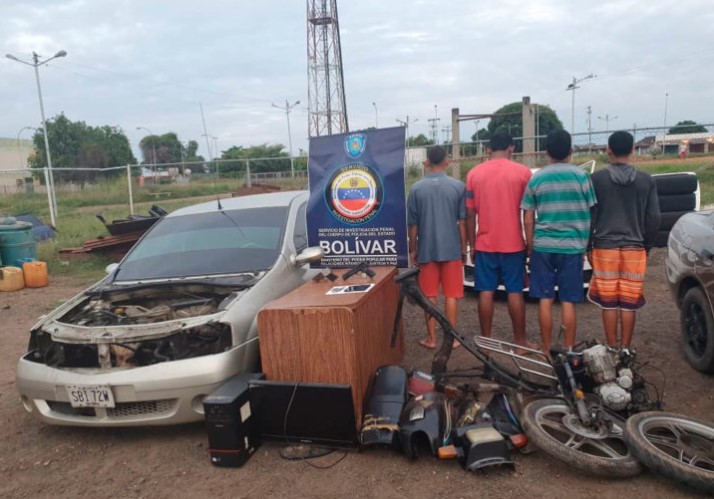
x=134 y=63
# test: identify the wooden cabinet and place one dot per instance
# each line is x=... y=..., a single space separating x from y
x=311 y=336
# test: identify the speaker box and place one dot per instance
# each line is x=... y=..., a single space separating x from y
x=231 y=423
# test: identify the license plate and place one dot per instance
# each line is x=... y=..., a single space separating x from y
x=90 y=395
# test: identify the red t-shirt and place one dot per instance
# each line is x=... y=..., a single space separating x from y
x=494 y=189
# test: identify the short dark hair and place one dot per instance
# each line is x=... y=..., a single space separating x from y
x=558 y=144
x=500 y=141
x=620 y=143
x=436 y=155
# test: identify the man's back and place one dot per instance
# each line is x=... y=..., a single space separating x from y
x=494 y=190
x=562 y=195
x=628 y=208
x=435 y=205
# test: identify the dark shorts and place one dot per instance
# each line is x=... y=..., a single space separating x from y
x=492 y=268
x=549 y=270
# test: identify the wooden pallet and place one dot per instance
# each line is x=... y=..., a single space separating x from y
x=105 y=243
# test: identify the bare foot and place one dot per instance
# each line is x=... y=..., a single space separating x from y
x=457 y=344
x=428 y=344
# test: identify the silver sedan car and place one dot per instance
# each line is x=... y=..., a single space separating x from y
x=690 y=272
x=173 y=320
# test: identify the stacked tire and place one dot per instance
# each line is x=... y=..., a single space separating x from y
x=678 y=194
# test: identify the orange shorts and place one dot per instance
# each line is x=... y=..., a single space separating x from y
x=449 y=274
x=618 y=278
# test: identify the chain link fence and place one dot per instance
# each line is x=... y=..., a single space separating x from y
x=651 y=143
x=26 y=190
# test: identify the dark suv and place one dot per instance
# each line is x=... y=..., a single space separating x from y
x=690 y=272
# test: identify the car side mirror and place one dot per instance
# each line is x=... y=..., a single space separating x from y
x=111 y=268
x=308 y=255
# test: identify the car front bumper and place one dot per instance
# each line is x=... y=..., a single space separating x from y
x=160 y=394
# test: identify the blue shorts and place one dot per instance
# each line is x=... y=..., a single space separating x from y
x=490 y=269
x=563 y=270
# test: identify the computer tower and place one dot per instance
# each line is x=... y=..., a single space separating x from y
x=231 y=422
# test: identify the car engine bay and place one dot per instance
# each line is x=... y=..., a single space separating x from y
x=132 y=309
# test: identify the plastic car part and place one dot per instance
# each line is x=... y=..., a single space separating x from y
x=481 y=446
x=384 y=407
x=425 y=424
x=421 y=383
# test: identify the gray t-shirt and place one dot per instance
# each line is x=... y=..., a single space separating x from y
x=435 y=205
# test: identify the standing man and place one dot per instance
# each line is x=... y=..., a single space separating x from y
x=563 y=195
x=624 y=226
x=437 y=236
x=494 y=190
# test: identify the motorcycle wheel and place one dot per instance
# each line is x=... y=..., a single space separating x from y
x=554 y=428
x=679 y=447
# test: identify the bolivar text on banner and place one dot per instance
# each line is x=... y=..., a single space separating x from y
x=357 y=206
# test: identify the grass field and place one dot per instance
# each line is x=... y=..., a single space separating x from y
x=77 y=220
x=77 y=212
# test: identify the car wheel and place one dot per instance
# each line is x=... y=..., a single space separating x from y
x=698 y=330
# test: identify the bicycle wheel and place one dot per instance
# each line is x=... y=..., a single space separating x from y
x=679 y=447
x=554 y=428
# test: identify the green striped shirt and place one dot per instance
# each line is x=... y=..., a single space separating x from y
x=561 y=194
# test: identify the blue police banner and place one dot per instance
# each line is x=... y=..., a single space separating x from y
x=357 y=207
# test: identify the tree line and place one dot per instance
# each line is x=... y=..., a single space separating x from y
x=74 y=144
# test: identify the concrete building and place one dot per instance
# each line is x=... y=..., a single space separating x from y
x=13 y=163
x=694 y=142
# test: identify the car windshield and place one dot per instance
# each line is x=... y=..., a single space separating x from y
x=225 y=242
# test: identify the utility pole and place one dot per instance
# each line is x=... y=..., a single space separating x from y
x=205 y=134
x=447 y=133
x=571 y=87
x=607 y=119
x=590 y=129
x=664 y=132
x=478 y=141
x=434 y=124
x=405 y=124
x=289 y=107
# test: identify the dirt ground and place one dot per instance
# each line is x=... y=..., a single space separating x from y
x=37 y=460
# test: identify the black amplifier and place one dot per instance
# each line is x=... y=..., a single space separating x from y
x=231 y=423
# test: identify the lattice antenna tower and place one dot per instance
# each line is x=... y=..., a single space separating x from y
x=327 y=107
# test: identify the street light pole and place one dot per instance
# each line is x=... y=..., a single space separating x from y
x=36 y=63
x=376 y=115
x=289 y=107
x=571 y=87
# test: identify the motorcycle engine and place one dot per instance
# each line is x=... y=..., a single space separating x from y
x=613 y=380
x=614 y=396
x=601 y=363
